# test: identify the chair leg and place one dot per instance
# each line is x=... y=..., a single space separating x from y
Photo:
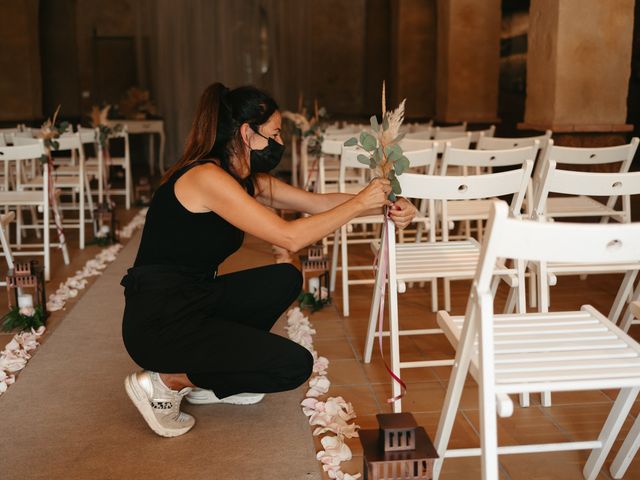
x=610 y=431
x=434 y=295
x=47 y=242
x=628 y=316
x=334 y=261
x=344 y=271
x=6 y=249
x=34 y=217
x=19 y=229
x=627 y=451
x=394 y=336
x=447 y=294
x=623 y=294
x=128 y=186
x=373 y=314
x=454 y=393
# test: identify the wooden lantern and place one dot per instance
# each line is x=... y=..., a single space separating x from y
x=143 y=191
x=25 y=277
x=316 y=262
x=399 y=449
x=105 y=223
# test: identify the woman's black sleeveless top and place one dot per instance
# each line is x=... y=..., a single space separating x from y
x=175 y=236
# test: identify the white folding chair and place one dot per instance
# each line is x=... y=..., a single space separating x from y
x=559 y=351
x=21 y=198
x=460 y=127
x=418 y=159
x=71 y=179
x=569 y=182
x=582 y=205
x=123 y=162
x=429 y=261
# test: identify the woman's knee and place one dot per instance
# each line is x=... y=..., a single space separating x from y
x=290 y=276
x=300 y=366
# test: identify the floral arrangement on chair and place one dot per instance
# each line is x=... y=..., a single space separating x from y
x=384 y=154
x=99 y=119
x=49 y=132
x=313 y=127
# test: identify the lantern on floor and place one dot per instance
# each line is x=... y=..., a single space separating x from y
x=143 y=191
x=316 y=262
x=25 y=287
x=105 y=223
x=399 y=449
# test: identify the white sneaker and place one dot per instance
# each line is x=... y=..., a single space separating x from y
x=158 y=404
x=200 y=396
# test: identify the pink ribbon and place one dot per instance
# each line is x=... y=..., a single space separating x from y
x=380 y=262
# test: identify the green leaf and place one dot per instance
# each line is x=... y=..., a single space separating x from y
x=395 y=186
x=401 y=165
x=391 y=175
x=368 y=141
x=374 y=123
x=351 y=142
x=364 y=159
x=385 y=122
x=394 y=152
x=392 y=197
x=377 y=156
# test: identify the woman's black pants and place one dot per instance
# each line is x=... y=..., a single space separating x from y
x=216 y=330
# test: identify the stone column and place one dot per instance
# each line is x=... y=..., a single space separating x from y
x=468 y=60
x=578 y=65
x=413 y=56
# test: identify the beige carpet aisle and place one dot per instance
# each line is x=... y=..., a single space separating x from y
x=68 y=415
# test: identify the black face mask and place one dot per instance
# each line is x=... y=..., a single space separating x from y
x=265 y=160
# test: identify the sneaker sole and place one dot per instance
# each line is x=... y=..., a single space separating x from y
x=139 y=399
x=232 y=400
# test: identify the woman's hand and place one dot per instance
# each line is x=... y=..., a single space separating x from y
x=374 y=195
x=402 y=212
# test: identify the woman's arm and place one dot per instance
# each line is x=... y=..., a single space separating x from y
x=217 y=191
x=277 y=194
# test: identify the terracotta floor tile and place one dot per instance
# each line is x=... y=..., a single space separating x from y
x=333 y=349
x=377 y=373
x=361 y=397
x=347 y=372
x=525 y=426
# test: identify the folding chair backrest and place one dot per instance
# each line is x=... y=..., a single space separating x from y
x=409 y=144
x=419 y=135
x=487 y=158
x=33 y=149
x=461 y=127
x=88 y=135
x=554 y=242
x=3 y=142
x=470 y=187
x=569 y=182
x=475 y=134
x=500 y=143
x=462 y=141
x=593 y=156
x=69 y=142
x=333 y=146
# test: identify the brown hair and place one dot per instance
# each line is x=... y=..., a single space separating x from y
x=215 y=132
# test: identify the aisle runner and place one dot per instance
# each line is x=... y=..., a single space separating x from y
x=331 y=415
x=17 y=352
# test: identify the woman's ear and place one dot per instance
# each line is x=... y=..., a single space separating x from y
x=244 y=133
